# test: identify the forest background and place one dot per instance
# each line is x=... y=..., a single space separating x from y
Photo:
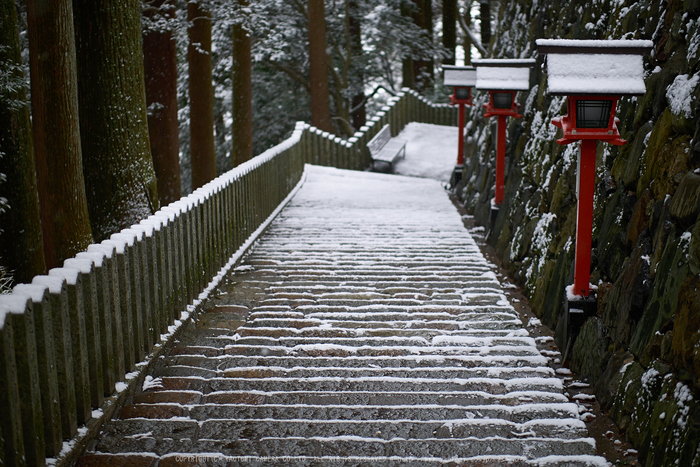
x=108 y=113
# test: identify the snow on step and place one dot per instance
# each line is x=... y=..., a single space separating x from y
x=377 y=334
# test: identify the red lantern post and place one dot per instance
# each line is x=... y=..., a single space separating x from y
x=462 y=78
x=593 y=75
x=502 y=78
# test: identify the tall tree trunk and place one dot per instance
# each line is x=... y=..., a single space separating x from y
x=424 y=68
x=62 y=199
x=21 y=248
x=119 y=178
x=467 y=43
x=449 y=29
x=418 y=74
x=242 y=100
x=160 y=66
x=203 y=154
x=408 y=78
x=485 y=14
x=359 y=115
x=318 y=67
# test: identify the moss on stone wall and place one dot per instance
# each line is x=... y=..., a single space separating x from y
x=646 y=243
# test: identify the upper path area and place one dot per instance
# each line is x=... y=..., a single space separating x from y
x=364 y=328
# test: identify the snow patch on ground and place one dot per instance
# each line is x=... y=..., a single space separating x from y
x=431 y=151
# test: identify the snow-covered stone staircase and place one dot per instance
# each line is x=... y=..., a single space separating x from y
x=365 y=328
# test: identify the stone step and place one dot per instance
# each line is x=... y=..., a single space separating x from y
x=331 y=350
x=215 y=459
x=345 y=446
x=257 y=331
x=380 y=429
x=502 y=308
x=416 y=279
x=472 y=277
x=332 y=283
x=494 y=364
x=349 y=302
x=328 y=332
x=229 y=369
x=381 y=338
x=351 y=319
x=361 y=398
x=382 y=384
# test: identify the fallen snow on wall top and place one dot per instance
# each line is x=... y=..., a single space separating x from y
x=613 y=67
x=503 y=74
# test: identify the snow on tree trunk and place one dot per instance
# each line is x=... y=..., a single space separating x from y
x=64 y=209
x=119 y=177
x=21 y=250
x=242 y=98
x=318 y=67
x=160 y=64
x=203 y=154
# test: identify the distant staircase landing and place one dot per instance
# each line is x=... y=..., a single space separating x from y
x=364 y=328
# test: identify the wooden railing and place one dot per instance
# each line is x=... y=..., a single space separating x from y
x=73 y=341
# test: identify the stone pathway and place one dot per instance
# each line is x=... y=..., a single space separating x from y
x=364 y=328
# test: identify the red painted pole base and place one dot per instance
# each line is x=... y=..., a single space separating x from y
x=500 y=160
x=584 y=219
x=460 y=148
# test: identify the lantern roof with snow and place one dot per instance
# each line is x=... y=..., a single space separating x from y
x=600 y=67
x=503 y=74
x=460 y=76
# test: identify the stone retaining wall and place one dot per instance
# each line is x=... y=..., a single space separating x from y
x=642 y=350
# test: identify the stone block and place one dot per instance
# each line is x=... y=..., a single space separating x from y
x=159 y=411
x=686 y=336
x=685 y=204
x=671 y=273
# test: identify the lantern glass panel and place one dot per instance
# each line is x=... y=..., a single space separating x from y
x=593 y=113
x=462 y=93
x=502 y=100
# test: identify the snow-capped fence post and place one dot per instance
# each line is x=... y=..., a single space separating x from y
x=106 y=286
x=11 y=423
x=133 y=283
x=87 y=279
x=123 y=305
x=593 y=74
x=60 y=322
x=46 y=365
x=77 y=338
x=19 y=312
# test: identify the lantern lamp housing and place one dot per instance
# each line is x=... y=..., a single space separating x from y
x=502 y=99
x=462 y=95
x=503 y=78
x=590 y=117
x=593 y=75
x=462 y=79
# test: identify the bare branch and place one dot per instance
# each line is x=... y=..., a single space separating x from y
x=292 y=73
x=473 y=37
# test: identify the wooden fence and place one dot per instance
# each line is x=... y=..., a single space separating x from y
x=72 y=340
